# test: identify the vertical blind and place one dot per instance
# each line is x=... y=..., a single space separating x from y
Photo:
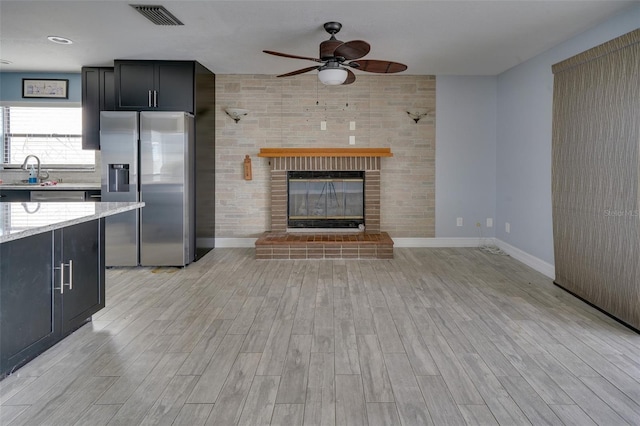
x=596 y=176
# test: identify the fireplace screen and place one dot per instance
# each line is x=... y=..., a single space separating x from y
x=326 y=199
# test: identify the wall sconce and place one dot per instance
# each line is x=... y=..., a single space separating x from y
x=417 y=114
x=236 y=113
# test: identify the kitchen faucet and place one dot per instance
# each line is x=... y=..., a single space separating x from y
x=24 y=165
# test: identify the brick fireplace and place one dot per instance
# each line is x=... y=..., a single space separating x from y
x=282 y=242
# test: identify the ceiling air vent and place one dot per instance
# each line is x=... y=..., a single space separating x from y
x=157 y=14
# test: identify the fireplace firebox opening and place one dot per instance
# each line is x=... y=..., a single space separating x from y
x=325 y=199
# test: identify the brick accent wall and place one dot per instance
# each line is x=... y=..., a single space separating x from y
x=286 y=112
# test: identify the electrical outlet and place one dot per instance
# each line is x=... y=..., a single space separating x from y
x=478 y=225
x=352 y=125
x=507 y=227
x=459 y=221
x=489 y=222
x=323 y=125
x=352 y=140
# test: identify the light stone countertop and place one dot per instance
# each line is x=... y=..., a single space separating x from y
x=86 y=186
x=21 y=220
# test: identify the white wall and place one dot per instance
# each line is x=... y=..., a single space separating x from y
x=523 y=178
x=465 y=155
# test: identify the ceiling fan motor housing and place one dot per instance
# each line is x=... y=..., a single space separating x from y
x=327 y=48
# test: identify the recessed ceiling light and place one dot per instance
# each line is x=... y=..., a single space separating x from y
x=5 y=62
x=59 y=40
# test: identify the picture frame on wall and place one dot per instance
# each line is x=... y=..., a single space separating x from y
x=45 y=88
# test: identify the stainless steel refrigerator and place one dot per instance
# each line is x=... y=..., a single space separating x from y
x=149 y=157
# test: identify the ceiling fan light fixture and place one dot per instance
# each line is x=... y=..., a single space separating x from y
x=332 y=76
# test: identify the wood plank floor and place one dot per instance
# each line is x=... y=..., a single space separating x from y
x=434 y=336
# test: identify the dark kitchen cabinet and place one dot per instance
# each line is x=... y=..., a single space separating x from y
x=14 y=196
x=50 y=284
x=27 y=300
x=79 y=264
x=98 y=94
x=154 y=85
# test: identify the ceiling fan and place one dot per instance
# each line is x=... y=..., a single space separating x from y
x=336 y=55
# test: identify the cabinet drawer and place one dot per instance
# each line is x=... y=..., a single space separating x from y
x=58 y=196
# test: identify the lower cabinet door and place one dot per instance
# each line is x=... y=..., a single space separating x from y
x=80 y=261
x=27 y=300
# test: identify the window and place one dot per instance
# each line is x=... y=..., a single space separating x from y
x=53 y=134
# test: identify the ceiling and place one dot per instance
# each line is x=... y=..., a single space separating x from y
x=432 y=37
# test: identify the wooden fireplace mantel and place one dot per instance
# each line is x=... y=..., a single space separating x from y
x=324 y=152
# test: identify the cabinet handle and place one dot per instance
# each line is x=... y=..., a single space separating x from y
x=61 y=268
x=70 y=274
x=155 y=98
x=62 y=283
x=150 y=99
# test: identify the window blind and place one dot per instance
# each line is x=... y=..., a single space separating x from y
x=53 y=134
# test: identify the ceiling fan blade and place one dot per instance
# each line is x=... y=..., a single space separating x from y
x=382 y=67
x=286 y=55
x=351 y=77
x=354 y=49
x=301 y=71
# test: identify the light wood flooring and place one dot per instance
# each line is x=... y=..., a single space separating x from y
x=432 y=337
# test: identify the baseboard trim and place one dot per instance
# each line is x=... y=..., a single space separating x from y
x=235 y=242
x=531 y=261
x=397 y=242
x=439 y=242
x=524 y=257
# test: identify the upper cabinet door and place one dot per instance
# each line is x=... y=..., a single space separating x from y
x=108 y=101
x=154 y=85
x=98 y=94
x=90 y=108
x=134 y=85
x=175 y=86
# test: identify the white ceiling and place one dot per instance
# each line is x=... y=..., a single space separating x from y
x=432 y=37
